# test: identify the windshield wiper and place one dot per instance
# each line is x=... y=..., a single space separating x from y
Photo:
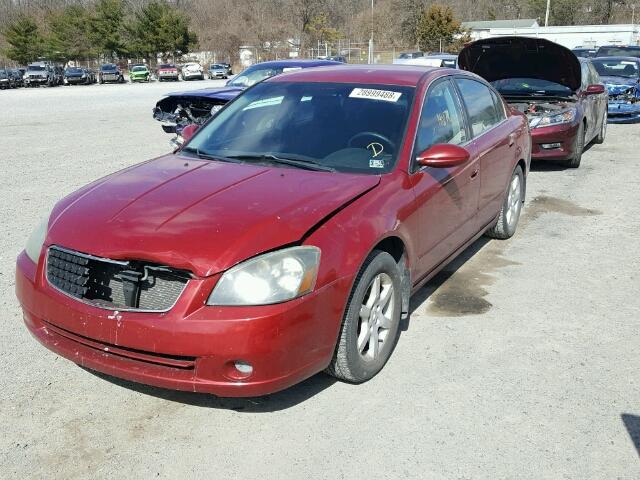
x=293 y=162
x=208 y=156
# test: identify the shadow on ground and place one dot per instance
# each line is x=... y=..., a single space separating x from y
x=632 y=424
x=269 y=403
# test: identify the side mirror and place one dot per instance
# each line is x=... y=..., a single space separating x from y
x=188 y=132
x=595 y=89
x=443 y=155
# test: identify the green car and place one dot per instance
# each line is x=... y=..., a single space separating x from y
x=139 y=73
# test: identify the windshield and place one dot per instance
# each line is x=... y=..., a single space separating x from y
x=607 y=67
x=216 y=67
x=618 y=52
x=139 y=69
x=253 y=75
x=347 y=127
x=73 y=70
x=107 y=67
x=36 y=68
x=530 y=86
x=167 y=66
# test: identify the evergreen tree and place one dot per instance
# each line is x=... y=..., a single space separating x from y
x=26 y=43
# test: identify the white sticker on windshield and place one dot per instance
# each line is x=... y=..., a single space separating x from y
x=373 y=163
x=373 y=94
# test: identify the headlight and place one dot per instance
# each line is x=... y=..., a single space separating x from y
x=567 y=116
x=36 y=240
x=270 y=278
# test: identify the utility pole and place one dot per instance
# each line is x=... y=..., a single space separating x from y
x=371 y=39
x=546 y=17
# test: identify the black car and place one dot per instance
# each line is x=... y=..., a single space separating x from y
x=17 y=77
x=77 y=76
x=618 y=51
x=110 y=72
x=6 y=79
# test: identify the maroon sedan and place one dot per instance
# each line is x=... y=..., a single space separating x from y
x=562 y=95
x=287 y=235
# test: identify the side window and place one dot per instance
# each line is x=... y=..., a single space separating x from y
x=441 y=120
x=585 y=74
x=480 y=105
x=497 y=101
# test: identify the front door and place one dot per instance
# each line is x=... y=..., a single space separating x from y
x=447 y=198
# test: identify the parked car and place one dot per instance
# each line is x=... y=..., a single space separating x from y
x=39 y=73
x=192 y=71
x=139 y=73
x=6 y=79
x=158 y=274
x=110 y=73
x=619 y=51
x=563 y=96
x=168 y=71
x=584 y=52
x=58 y=74
x=406 y=57
x=179 y=109
x=621 y=76
x=217 y=70
x=17 y=77
x=77 y=76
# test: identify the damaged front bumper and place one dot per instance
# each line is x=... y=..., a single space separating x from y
x=191 y=347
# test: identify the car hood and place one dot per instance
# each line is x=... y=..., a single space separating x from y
x=521 y=57
x=617 y=85
x=198 y=215
x=222 y=93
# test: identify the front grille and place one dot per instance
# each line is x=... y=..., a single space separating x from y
x=131 y=285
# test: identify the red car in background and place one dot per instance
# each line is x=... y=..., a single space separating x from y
x=563 y=96
x=168 y=71
x=286 y=236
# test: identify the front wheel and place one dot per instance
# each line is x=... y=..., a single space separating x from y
x=509 y=214
x=603 y=130
x=371 y=321
x=574 y=162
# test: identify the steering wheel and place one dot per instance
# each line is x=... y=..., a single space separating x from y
x=377 y=136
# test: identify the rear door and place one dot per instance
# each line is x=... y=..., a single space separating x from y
x=492 y=140
x=447 y=198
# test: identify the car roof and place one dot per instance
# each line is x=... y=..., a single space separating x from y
x=400 y=75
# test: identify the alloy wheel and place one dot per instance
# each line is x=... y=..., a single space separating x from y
x=376 y=314
x=514 y=200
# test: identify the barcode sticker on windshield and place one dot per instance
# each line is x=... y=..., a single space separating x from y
x=373 y=94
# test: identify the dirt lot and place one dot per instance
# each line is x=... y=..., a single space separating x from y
x=520 y=361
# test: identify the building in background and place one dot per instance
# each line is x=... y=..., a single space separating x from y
x=570 y=36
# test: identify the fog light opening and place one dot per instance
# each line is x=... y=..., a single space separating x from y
x=238 y=369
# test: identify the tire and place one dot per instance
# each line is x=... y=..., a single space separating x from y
x=509 y=214
x=358 y=363
x=574 y=162
x=603 y=130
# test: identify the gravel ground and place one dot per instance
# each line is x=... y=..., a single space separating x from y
x=520 y=361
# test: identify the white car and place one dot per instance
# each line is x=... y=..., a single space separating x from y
x=433 y=60
x=192 y=71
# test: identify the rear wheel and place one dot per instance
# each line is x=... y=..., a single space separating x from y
x=603 y=130
x=574 y=162
x=371 y=321
x=509 y=214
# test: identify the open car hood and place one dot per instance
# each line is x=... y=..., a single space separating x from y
x=201 y=216
x=521 y=57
